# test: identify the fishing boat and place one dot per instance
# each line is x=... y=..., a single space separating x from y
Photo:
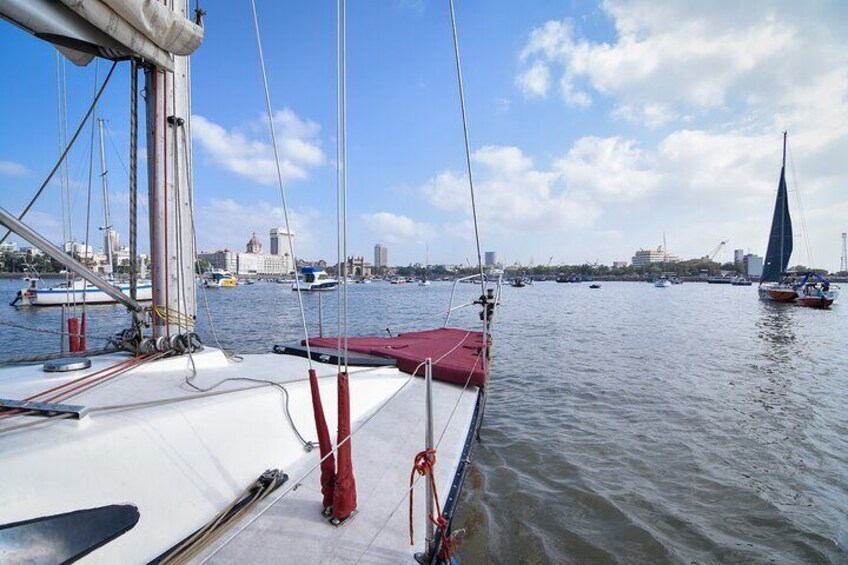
x=816 y=291
x=77 y=291
x=221 y=279
x=314 y=279
x=163 y=449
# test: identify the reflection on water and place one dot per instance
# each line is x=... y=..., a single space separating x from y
x=627 y=424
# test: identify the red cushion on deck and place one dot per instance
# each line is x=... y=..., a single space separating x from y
x=456 y=354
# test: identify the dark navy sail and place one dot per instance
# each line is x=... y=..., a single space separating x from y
x=780 y=238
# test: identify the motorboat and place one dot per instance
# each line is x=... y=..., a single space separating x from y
x=221 y=279
x=314 y=279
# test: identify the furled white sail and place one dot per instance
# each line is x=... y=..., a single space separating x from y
x=113 y=29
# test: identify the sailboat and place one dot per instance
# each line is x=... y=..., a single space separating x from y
x=79 y=291
x=662 y=281
x=808 y=289
x=425 y=281
x=170 y=450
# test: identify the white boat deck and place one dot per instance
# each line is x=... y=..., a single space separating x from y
x=181 y=457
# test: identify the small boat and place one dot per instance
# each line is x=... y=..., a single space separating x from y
x=662 y=282
x=75 y=292
x=424 y=282
x=594 y=285
x=399 y=280
x=221 y=279
x=314 y=279
x=740 y=281
x=815 y=291
x=517 y=282
x=562 y=278
x=719 y=280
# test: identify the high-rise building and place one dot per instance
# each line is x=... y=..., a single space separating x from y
x=752 y=265
x=491 y=258
x=279 y=241
x=738 y=256
x=381 y=256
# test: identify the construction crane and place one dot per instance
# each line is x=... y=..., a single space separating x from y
x=715 y=251
x=551 y=260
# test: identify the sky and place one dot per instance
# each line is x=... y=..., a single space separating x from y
x=595 y=128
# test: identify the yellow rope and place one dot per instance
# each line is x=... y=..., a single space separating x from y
x=175 y=317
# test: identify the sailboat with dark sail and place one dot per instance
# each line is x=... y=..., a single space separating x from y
x=809 y=288
x=775 y=284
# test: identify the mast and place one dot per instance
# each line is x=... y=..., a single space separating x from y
x=169 y=191
x=783 y=216
x=107 y=218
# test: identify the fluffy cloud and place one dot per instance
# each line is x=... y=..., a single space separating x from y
x=245 y=151
x=668 y=55
x=513 y=194
x=395 y=228
x=234 y=223
x=13 y=169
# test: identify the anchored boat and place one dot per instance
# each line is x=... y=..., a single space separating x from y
x=314 y=279
x=77 y=291
x=165 y=450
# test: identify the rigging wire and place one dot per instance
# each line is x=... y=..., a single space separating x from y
x=88 y=194
x=66 y=151
x=467 y=146
x=804 y=232
x=341 y=184
x=280 y=177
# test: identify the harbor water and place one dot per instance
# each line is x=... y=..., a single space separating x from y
x=626 y=424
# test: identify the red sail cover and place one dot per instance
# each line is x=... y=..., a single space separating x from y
x=456 y=354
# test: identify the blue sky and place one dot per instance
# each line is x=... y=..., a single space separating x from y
x=595 y=127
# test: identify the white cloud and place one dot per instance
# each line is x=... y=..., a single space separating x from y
x=395 y=228
x=513 y=194
x=535 y=81
x=245 y=151
x=671 y=55
x=13 y=169
x=234 y=224
x=609 y=169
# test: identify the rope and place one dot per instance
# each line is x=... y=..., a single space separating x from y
x=174 y=316
x=27 y=359
x=423 y=466
x=50 y=332
x=67 y=149
x=250 y=497
x=280 y=176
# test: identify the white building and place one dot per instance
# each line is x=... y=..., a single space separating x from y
x=280 y=241
x=8 y=247
x=647 y=256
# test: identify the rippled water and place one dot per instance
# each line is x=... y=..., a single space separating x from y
x=626 y=424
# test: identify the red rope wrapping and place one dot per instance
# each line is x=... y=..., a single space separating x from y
x=423 y=465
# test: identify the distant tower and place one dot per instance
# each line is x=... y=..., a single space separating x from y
x=381 y=256
x=253 y=246
x=738 y=256
x=279 y=241
x=491 y=258
x=843 y=266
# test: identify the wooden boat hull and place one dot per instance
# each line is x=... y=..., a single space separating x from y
x=815 y=301
x=778 y=294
